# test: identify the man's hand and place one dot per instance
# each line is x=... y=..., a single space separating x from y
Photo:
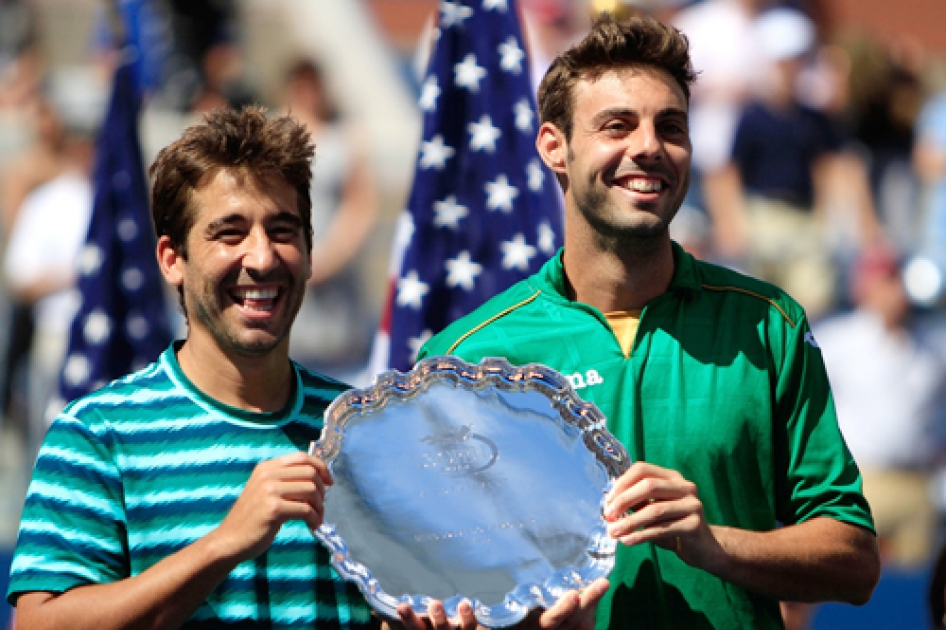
x=279 y=490
x=820 y=559
x=573 y=611
x=653 y=504
x=436 y=617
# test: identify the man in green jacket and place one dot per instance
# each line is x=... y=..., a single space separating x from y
x=743 y=493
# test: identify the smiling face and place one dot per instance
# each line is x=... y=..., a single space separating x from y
x=247 y=264
x=626 y=167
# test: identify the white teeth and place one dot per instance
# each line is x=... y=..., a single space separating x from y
x=257 y=294
x=645 y=185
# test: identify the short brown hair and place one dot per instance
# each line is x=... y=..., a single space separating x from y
x=639 y=41
x=247 y=142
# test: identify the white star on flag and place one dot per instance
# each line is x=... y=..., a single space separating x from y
x=546 y=238
x=137 y=325
x=415 y=343
x=500 y=194
x=449 y=212
x=517 y=253
x=133 y=279
x=411 y=291
x=453 y=13
x=524 y=115
x=462 y=271
x=484 y=134
x=512 y=56
x=535 y=175
x=404 y=231
x=435 y=153
x=467 y=74
x=429 y=93
x=90 y=260
x=479 y=121
x=97 y=328
x=77 y=370
x=127 y=229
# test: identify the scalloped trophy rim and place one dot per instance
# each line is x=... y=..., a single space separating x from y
x=490 y=372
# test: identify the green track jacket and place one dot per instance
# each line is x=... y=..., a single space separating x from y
x=725 y=383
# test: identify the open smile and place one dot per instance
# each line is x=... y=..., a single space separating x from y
x=641 y=183
x=255 y=299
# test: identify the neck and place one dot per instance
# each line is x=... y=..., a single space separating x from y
x=618 y=278
x=254 y=383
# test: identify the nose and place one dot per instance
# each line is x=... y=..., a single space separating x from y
x=260 y=253
x=646 y=142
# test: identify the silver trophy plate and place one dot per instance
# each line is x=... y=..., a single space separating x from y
x=457 y=481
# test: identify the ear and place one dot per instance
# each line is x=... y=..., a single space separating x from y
x=170 y=262
x=308 y=271
x=552 y=147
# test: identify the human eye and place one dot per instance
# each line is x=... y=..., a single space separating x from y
x=674 y=127
x=229 y=233
x=616 y=127
x=285 y=231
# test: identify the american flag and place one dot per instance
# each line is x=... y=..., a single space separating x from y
x=123 y=321
x=484 y=212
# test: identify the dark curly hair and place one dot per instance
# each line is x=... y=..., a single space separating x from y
x=639 y=41
x=247 y=143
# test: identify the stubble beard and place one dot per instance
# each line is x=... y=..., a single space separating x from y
x=228 y=339
x=611 y=235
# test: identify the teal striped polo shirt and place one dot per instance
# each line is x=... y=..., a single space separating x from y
x=138 y=470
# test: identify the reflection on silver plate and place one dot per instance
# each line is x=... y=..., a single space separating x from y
x=459 y=481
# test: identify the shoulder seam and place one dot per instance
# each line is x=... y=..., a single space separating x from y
x=771 y=302
x=482 y=325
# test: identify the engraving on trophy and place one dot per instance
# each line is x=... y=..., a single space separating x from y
x=473 y=531
x=459 y=451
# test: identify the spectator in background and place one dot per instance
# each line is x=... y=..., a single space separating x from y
x=551 y=26
x=203 y=67
x=726 y=56
x=334 y=326
x=772 y=200
x=23 y=165
x=19 y=59
x=886 y=94
x=887 y=368
x=48 y=198
x=929 y=159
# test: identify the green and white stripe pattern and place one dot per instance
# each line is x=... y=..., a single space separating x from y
x=138 y=470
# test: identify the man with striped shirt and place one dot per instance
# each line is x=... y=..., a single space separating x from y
x=181 y=495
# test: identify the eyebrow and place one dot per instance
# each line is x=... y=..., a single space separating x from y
x=290 y=217
x=216 y=224
x=611 y=112
x=673 y=112
x=234 y=218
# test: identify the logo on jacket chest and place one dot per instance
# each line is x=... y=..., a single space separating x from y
x=581 y=380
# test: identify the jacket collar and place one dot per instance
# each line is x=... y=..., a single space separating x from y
x=686 y=273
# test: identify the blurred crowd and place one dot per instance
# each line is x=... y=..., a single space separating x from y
x=819 y=164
